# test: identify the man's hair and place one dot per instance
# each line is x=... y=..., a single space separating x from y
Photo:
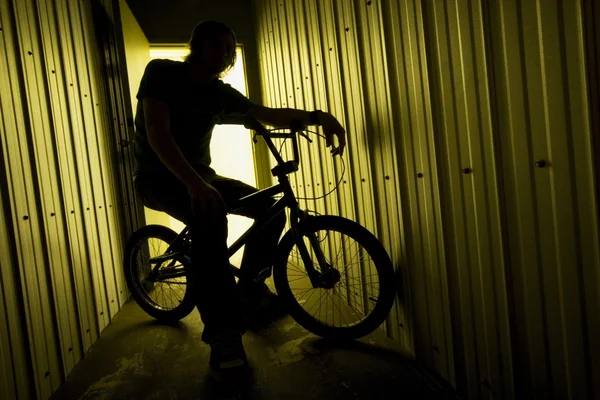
x=207 y=30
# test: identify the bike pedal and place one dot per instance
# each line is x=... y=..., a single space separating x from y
x=262 y=275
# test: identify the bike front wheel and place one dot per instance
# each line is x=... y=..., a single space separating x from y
x=361 y=287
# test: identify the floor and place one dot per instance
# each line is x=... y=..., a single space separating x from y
x=137 y=358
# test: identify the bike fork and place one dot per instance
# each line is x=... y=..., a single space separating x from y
x=297 y=222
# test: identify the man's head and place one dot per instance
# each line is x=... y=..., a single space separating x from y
x=212 y=45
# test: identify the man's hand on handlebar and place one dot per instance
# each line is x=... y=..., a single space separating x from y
x=331 y=128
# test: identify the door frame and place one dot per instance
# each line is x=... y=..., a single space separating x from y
x=591 y=14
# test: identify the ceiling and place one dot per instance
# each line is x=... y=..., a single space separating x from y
x=172 y=21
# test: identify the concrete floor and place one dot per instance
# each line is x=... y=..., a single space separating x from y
x=137 y=358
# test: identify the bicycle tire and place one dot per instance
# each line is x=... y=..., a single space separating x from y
x=381 y=261
x=132 y=278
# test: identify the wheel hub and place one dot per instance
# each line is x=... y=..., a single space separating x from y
x=329 y=279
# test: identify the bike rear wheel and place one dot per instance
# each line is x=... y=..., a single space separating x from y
x=359 y=298
x=165 y=295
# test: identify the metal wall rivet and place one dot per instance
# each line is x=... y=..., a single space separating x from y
x=486 y=384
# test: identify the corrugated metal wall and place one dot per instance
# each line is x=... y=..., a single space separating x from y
x=63 y=223
x=470 y=157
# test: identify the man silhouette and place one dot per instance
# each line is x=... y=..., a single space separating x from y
x=176 y=101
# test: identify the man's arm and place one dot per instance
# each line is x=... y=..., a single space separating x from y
x=283 y=117
x=157 y=120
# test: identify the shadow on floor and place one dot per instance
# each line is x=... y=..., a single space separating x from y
x=139 y=358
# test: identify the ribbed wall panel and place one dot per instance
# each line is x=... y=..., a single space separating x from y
x=469 y=184
x=62 y=225
x=542 y=115
x=470 y=156
x=426 y=291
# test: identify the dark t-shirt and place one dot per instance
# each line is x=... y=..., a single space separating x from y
x=191 y=108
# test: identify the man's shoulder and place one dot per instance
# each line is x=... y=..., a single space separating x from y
x=165 y=66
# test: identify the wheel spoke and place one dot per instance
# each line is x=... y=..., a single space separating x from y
x=163 y=294
x=333 y=302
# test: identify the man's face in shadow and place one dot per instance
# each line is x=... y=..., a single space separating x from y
x=217 y=53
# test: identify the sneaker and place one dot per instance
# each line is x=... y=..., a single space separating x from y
x=257 y=299
x=227 y=356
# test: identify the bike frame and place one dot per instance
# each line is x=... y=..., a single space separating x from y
x=297 y=216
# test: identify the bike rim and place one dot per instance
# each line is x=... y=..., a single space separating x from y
x=353 y=298
x=167 y=290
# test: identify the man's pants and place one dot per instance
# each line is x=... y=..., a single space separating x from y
x=217 y=296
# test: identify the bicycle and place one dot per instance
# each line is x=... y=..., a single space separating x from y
x=364 y=287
